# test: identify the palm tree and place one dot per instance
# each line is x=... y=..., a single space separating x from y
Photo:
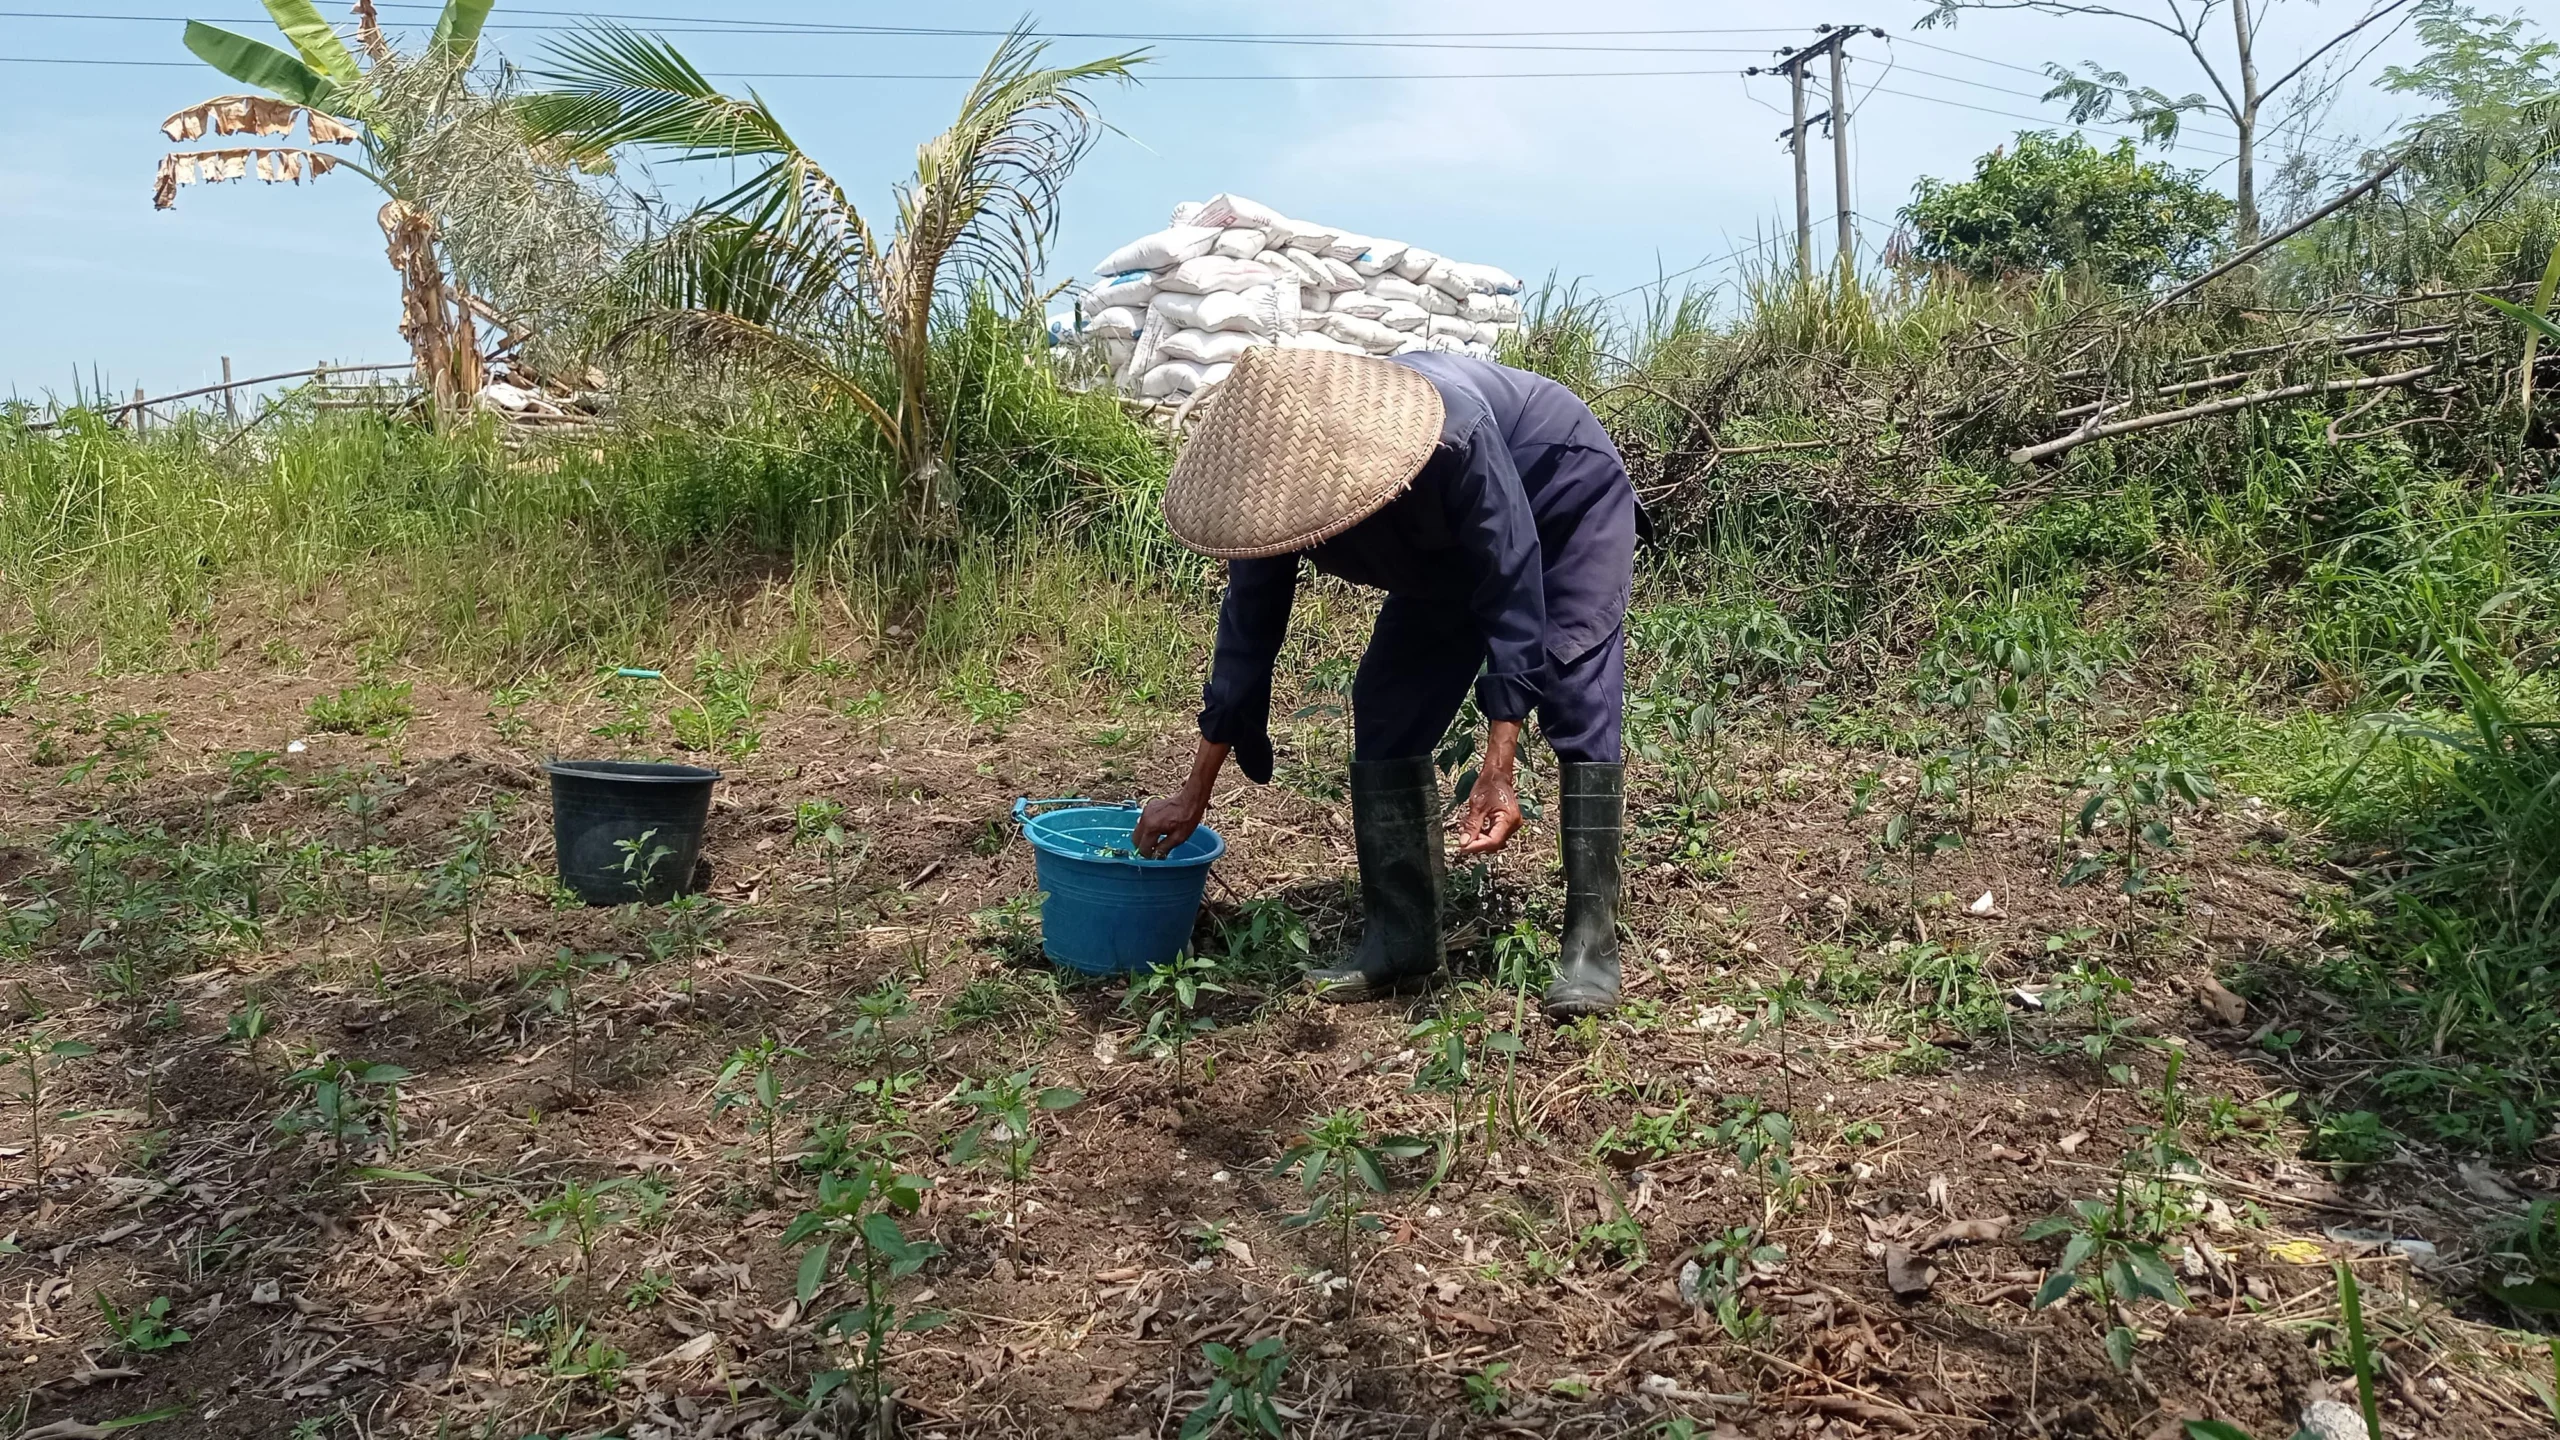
x=782 y=272
x=387 y=105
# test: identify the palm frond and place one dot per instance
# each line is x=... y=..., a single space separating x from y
x=716 y=336
x=983 y=203
x=613 y=86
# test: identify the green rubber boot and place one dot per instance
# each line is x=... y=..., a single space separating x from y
x=1595 y=807
x=1395 y=825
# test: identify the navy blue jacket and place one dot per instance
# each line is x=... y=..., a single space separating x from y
x=1523 y=515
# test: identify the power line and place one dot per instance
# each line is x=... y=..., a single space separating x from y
x=690 y=25
x=973 y=75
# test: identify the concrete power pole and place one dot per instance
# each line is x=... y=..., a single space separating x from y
x=1832 y=44
x=1840 y=162
x=1804 y=188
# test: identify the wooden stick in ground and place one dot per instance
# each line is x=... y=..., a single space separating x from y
x=2028 y=455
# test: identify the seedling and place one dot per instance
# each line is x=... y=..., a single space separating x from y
x=819 y=825
x=2109 y=1259
x=1340 y=1165
x=460 y=880
x=556 y=989
x=344 y=1100
x=642 y=858
x=760 y=1065
x=145 y=1329
x=1006 y=1108
x=1242 y=1385
x=1447 y=1069
x=1169 y=996
x=1776 y=1006
x=2137 y=795
x=858 y=1217
x=38 y=1056
x=583 y=1213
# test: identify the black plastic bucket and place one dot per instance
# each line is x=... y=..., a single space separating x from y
x=601 y=809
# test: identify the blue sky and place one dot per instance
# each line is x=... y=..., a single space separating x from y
x=1610 y=178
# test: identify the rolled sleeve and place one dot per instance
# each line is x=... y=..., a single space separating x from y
x=1489 y=515
x=1253 y=621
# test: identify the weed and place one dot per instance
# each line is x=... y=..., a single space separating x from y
x=723 y=718
x=1726 y=1264
x=2349 y=1139
x=1620 y=1241
x=1266 y=941
x=687 y=929
x=367 y=708
x=1486 y=1392
x=144 y=1329
x=249 y=776
x=1242 y=1387
x=1012 y=927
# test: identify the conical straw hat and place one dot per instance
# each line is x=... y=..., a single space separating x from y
x=1299 y=446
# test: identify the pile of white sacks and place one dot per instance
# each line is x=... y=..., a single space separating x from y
x=1176 y=308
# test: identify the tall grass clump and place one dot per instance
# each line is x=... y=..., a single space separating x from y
x=467 y=546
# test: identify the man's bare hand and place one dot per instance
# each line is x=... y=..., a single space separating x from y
x=1493 y=806
x=1167 y=822
x=1492 y=815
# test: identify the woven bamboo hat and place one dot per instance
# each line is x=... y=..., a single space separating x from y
x=1297 y=447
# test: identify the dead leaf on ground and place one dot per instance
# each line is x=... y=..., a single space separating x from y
x=2070 y=1144
x=2220 y=1003
x=1102 y=1393
x=1906 y=1275
x=1963 y=1232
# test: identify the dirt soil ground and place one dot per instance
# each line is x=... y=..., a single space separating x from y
x=1866 y=1273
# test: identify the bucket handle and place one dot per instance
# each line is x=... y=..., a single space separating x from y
x=1022 y=808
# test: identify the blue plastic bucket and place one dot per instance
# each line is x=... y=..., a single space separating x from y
x=1106 y=909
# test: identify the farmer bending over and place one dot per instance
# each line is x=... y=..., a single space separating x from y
x=1491 y=507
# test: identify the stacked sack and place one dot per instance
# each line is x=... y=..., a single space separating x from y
x=1177 y=307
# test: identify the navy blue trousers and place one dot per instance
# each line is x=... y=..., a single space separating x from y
x=1423 y=657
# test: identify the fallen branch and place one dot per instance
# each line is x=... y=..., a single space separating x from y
x=2028 y=455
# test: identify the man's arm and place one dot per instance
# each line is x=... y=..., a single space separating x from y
x=1253 y=621
x=1489 y=512
x=1168 y=821
x=1235 y=704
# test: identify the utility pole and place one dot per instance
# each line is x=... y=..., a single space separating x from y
x=1840 y=162
x=1804 y=189
x=1792 y=65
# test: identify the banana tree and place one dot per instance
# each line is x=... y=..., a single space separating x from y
x=373 y=99
x=782 y=271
